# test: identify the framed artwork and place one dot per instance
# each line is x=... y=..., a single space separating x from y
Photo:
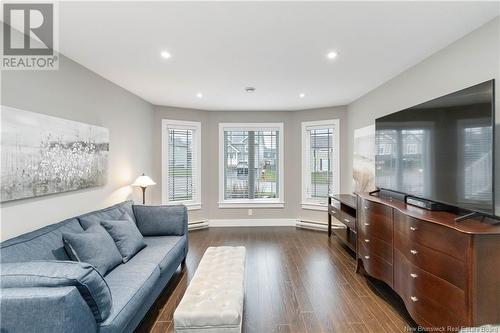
x=43 y=155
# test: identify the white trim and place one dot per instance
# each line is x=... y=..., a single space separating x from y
x=252 y=203
x=252 y=223
x=189 y=204
x=314 y=206
x=308 y=203
x=181 y=124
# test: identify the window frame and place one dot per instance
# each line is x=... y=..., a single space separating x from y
x=195 y=126
x=308 y=203
x=252 y=203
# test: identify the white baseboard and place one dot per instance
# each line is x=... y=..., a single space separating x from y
x=252 y=223
x=195 y=225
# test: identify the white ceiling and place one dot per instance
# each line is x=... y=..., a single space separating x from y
x=219 y=48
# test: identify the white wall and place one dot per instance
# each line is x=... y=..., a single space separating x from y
x=73 y=92
x=473 y=59
x=210 y=149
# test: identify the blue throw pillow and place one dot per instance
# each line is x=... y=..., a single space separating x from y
x=83 y=276
x=94 y=246
x=127 y=237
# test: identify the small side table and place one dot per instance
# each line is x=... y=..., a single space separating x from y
x=343 y=208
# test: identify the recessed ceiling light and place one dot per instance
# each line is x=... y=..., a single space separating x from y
x=165 y=54
x=302 y=95
x=199 y=95
x=331 y=55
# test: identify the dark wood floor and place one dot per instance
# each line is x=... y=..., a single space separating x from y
x=296 y=281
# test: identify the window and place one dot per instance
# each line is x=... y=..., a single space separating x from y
x=181 y=169
x=320 y=163
x=250 y=165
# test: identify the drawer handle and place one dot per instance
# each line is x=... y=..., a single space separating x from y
x=347 y=220
x=413 y=228
x=367 y=257
x=367 y=224
x=413 y=275
x=414 y=252
x=414 y=299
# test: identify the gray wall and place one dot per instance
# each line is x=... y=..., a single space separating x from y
x=470 y=60
x=74 y=92
x=210 y=147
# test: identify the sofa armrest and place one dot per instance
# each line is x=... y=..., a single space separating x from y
x=161 y=220
x=55 y=274
x=45 y=309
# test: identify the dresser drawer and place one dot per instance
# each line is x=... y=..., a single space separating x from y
x=416 y=285
x=432 y=235
x=376 y=246
x=375 y=219
x=375 y=266
x=335 y=211
x=432 y=261
x=348 y=220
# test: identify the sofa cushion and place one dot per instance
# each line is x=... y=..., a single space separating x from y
x=42 y=244
x=127 y=237
x=130 y=285
x=94 y=246
x=83 y=276
x=160 y=220
x=162 y=250
x=110 y=213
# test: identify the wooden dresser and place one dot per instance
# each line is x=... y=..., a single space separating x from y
x=446 y=272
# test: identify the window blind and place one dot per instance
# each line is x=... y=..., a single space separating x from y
x=181 y=165
x=319 y=162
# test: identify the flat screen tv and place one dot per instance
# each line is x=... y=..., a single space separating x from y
x=441 y=150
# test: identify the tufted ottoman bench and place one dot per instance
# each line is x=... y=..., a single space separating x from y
x=213 y=302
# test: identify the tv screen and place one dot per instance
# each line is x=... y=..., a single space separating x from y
x=441 y=150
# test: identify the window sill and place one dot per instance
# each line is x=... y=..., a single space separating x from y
x=251 y=204
x=189 y=205
x=315 y=206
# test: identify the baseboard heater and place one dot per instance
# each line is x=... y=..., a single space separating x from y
x=314 y=225
x=195 y=225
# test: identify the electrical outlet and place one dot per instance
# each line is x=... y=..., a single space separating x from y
x=250 y=212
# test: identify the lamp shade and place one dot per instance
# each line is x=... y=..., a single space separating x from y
x=143 y=181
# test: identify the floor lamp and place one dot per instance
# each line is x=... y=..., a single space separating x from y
x=143 y=182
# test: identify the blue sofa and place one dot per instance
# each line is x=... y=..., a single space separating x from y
x=134 y=285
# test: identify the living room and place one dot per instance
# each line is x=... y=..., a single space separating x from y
x=234 y=166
